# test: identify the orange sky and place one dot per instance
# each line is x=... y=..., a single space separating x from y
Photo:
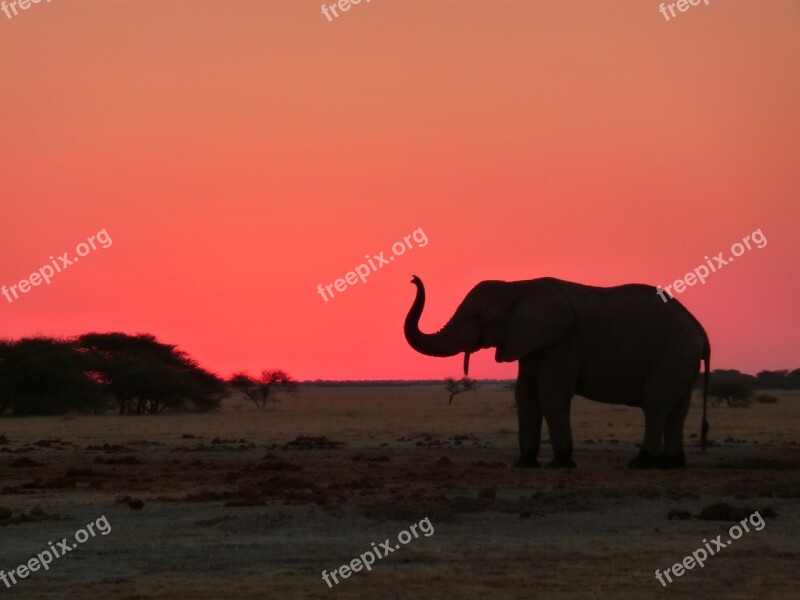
x=241 y=153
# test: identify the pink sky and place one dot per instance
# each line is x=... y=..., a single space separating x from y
x=241 y=153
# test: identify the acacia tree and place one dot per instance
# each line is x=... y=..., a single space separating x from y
x=458 y=386
x=41 y=376
x=147 y=376
x=265 y=388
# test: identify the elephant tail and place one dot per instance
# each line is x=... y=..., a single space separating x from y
x=707 y=363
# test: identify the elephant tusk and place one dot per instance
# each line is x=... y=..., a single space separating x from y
x=466 y=363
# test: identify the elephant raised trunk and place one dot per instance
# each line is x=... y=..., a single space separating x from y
x=442 y=343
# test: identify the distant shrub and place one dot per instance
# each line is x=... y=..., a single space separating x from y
x=732 y=387
x=766 y=399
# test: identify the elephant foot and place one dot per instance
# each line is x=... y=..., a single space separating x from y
x=673 y=460
x=645 y=460
x=526 y=462
x=562 y=461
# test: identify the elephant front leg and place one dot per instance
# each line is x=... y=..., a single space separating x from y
x=556 y=413
x=529 y=416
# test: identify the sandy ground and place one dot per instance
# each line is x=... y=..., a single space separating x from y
x=238 y=511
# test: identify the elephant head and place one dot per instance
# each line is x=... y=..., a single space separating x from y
x=517 y=318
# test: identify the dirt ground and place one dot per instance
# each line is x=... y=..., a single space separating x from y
x=249 y=504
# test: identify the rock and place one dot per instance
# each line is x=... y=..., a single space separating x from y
x=25 y=462
x=722 y=511
x=381 y=458
x=678 y=514
x=278 y=465
x=488 y=492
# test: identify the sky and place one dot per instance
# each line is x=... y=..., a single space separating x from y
x=238 y=154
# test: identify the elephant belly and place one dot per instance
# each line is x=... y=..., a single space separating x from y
x=609 y=395
x=613 y=381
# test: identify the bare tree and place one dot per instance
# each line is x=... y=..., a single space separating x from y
x=457 y=386
x=265 y=388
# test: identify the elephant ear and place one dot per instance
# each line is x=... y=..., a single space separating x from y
x=539 y=318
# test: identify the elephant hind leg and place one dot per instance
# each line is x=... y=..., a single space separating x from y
x=649 y=456
x=674 y=457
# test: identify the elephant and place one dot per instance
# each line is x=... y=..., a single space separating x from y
x=617 y=345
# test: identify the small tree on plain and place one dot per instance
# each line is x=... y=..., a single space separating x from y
x=264 y=388
x=458 y=386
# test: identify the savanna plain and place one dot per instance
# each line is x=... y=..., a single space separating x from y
x=250 y=503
